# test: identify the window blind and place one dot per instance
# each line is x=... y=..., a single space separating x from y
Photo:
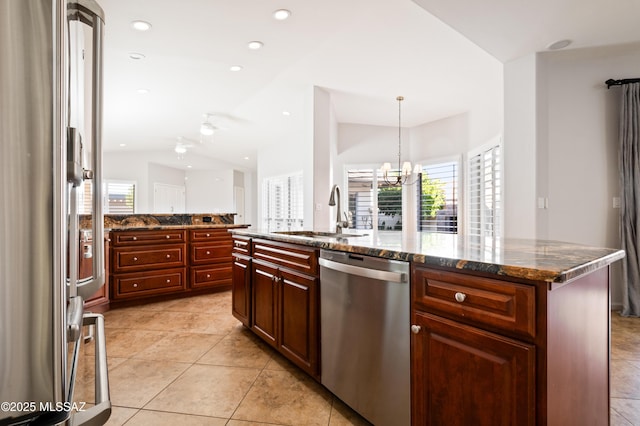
x=372 y=202
x=282 y=206
x=485 y=189
x=438 y=198
x=119 y=197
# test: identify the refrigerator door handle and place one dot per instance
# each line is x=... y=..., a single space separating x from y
x=90 y=13
x=75 y=310
x=100 y=412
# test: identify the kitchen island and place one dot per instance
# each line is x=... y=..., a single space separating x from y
x=160 y=256
x=502 y=331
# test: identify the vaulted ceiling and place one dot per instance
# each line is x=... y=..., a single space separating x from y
x=364 y=52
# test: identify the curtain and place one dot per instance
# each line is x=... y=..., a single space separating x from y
x=630 y=208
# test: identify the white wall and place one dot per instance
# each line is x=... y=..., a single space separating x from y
x=519 y=148
x=324 y=142
x=210 y=191
x=130 y=167
x=207 y=191
x=576 y=144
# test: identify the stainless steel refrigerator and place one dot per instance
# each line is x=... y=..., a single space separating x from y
x=50 y=161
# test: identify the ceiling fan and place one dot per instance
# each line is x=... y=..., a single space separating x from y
x=183 y=145
x=215 y=121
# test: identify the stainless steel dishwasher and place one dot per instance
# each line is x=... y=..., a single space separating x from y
x=365 y=332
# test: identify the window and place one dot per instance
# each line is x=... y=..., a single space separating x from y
x=282 y=208
x=436 y=196
x=381 y=207
x=485 y=194
x=119 y=197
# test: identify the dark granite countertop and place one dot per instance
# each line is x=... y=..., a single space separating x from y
x=130 y=222
x=536 y=260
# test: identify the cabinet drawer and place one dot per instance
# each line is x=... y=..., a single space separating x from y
x=242 y=245
x=122 y=238
x=203 y=253
x=496 y=304
x=127 y=259
x=149 y=283
x=198 y=235
x=211 y=276
x=292 y=256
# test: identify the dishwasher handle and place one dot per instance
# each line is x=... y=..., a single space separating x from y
x=376 y=274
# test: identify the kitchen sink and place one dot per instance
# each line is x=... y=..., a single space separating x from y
x=317 y=234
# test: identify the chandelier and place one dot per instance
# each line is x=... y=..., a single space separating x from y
x=401 y=175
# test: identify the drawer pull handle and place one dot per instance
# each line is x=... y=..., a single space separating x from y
x=415 y=329
x=168 y=236
x=168 y=256
x=135 y=259
x=460 y=297
x=135 y=285
x=208 y=235
x=208 y=275
x=208 y=252
x=135 y=238
x=168 y=281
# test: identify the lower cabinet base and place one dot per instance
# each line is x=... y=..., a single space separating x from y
x=164 y=297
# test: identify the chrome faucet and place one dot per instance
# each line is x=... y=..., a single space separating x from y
x=335 y=194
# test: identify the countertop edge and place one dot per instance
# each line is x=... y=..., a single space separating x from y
x=500 y=270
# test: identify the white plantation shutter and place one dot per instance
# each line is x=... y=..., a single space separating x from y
x=441 y=214
x=120 y=197
x=373 y=203
x=282 y=206
x=485 y=194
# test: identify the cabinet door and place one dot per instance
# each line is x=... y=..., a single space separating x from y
x=241 y=289
x=298 y=334
x=466 y=376
x=264 y=279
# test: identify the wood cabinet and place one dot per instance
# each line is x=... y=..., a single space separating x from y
x=147 y=263
x=241 y=280
x=488 y=351
x=210 y=258
x=279 y=298
x=169 y=262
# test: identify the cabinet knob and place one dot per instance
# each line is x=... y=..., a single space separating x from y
x=168 y=236
x=208 y=252
x=415 y=329
x=168 y=281
x=208 y=235
x=135 y=285
x=135 y=259
x=460 y=297
x=208 y=275
x=168 y=256
x=134 y=238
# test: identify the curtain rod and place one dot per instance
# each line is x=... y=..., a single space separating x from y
x=612 y=82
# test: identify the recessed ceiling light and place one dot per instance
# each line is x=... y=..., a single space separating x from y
x=141 y=25
x=142 y=91
x=255 y=45
x=189 y=166
x=286 y=113
x=281 y=14
x=136 y=55
x=235 y=68
x=123 y=144
x=560 y=44
x=246 y=158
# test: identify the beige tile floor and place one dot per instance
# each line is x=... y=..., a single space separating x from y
x=625 y=371
x=189 y=362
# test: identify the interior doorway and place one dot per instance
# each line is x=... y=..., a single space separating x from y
x=168 y=198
